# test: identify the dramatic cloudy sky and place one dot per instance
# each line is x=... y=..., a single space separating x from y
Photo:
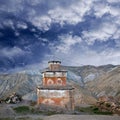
x=77 y=32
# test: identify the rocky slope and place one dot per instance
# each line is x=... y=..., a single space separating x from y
x=89 y=82
x=22 y=83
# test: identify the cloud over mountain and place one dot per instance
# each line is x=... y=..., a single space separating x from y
x=76 y=32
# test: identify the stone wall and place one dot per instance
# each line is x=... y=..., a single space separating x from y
x=60 y=98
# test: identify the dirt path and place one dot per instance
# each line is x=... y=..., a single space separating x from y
x=29 y=117
x=81 y=117
x=63 y=117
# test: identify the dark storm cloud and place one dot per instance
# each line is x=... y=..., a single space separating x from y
x=31 y=31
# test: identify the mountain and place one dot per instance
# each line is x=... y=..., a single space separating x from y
x=89 y=82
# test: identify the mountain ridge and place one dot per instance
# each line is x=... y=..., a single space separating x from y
x=89 y=82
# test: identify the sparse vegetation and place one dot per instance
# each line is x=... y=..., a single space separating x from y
x=32 y=110
x=50 y=113
x=27 y=118
x=22 y=109
x=6 y=119
x=93 y=110
x=20 y=118
x=103 y=113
